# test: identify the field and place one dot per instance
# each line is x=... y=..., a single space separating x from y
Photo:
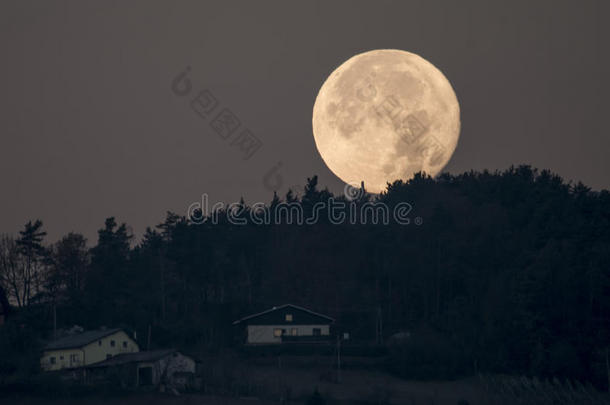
x=230 y=379
x=273 y=385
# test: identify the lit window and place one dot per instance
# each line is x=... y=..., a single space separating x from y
x=124 y=343
x=52 y=359
x=288 y=317
x=293 y=331
x=277 y=332
x=112 y=343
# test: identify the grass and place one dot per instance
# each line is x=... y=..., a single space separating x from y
x=231 y=380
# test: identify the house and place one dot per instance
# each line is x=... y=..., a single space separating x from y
x=285 y=324
x=86 y=348
x=145 y=369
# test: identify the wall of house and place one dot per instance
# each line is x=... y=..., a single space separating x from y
x=166 y=367
x=258 y=334
x=178 y=363
x=99 y=351
x=64 y=358
x=90 y=353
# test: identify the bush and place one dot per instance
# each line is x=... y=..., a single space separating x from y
x=564 y=360
x=316 y=399
x=427 y=354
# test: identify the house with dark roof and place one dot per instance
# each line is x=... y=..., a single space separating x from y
x=146 y=369
x=85 y=348
x=285 y=324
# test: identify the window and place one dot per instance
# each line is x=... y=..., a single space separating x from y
x=61 y=357
x=294 y=331
x=277 y=332
x=288 y=317
x=99 y=342
x=74 y=358
x=317 y=331
x=125 y=344
x=112 y=343
x=52 y=360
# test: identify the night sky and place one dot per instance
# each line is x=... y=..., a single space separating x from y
x=90 y=126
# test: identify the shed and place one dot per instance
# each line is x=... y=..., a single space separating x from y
x=166 y=367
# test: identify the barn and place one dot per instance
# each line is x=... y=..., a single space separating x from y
x=285 y=324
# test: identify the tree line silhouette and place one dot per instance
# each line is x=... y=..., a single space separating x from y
x=509 y=272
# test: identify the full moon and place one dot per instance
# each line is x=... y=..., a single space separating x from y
x=384 y=115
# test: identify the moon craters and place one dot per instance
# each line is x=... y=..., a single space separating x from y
x=384 y=115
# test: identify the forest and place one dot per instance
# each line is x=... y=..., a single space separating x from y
x=506 y=272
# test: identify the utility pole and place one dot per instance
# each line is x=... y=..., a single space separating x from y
x=338 y=358
x=54 y=321
x=162 y=283
x=608 y=366
x=379 y=327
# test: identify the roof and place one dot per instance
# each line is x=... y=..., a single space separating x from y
x=246 y=318
x=138 y=357
x=81 y=339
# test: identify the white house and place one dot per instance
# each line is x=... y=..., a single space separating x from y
x=285 y=324
x=86 y=348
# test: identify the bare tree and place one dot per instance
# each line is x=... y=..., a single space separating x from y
x=12 y=271
x=23 y=264
x=35 y=256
